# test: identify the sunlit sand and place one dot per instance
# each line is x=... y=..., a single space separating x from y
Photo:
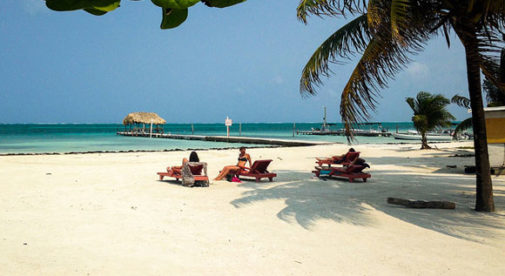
x=102 y=214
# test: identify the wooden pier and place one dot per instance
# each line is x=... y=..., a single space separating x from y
x=225 y=139
x=319 y=132
x=341 y=132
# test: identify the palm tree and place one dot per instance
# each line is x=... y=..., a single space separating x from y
x=386 y=32
x=429 y=113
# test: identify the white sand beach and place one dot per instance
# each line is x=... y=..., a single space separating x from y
x=107 y=214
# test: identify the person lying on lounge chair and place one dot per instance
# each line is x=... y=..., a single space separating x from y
x=243 y=158
x=341 y=158
x=193 y=157
x=338 y=159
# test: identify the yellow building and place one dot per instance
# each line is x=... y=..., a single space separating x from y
x=495 y=130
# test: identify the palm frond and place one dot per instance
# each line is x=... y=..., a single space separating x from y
x=420 y=122
x=329 y=8
x=494 y=95
x=491 y=69
x=411 y=102
x=375 y=13
x=382 y=60
x=344 y=43
x=496 y=6
x=461 y=101
x=399 y=17
x=466 y=124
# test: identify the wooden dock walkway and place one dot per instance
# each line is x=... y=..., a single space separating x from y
x=231 y=139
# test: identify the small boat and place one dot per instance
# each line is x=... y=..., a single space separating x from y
x=432 y=137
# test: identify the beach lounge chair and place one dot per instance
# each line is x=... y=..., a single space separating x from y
x=346 y=160
x=351 y=172
x=175 y=173
x=258 y=170
x=191 y=173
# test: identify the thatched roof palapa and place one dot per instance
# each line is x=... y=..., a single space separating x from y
x=143 y=118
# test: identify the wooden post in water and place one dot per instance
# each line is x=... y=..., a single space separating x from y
x=396 y=128
x=240 y=129
x=192 y=129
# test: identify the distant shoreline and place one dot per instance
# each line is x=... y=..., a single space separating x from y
x=194 y=149
x=130 y=151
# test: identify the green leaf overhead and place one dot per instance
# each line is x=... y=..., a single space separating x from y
x=95 y=12
x=174 y=12
x=70 y=5
x=106 y=6
x=175 y=4
x=221 y=3
x=173 y=18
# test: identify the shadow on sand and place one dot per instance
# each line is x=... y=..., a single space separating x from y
x=309 y=199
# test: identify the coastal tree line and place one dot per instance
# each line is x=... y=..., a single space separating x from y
x=385 y=33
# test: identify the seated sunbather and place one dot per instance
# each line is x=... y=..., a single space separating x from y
x=243 y=158
x=193 y=157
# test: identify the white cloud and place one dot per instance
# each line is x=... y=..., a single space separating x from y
x=33 y=7
x=278 y=80
x=418 y=70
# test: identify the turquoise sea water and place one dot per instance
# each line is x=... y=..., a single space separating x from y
x=60 y=138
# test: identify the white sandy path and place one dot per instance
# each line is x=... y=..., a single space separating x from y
x=103 y=214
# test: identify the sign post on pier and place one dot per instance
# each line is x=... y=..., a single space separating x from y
x=228 y=123
x=151 y=130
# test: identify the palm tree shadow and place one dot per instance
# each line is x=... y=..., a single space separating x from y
x=311 y=199
x=307 y=199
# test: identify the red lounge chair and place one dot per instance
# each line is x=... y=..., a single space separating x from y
x=171 y=173
x=258 y=170
x=197 y=171
x=352 y=172
x=348 y=158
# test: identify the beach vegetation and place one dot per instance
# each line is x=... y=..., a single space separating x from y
x=430 y=113
x=386 y=34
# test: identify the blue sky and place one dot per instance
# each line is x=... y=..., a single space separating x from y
x=244 y=62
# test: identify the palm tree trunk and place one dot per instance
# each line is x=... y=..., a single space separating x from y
x=484 y=196
x=424 y=141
